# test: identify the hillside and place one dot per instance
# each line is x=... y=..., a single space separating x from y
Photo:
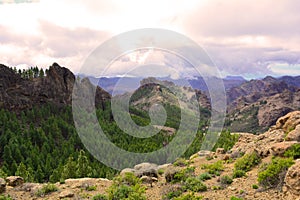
x=256 y=167
x=257 y=104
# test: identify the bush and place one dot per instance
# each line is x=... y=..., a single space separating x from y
x=275 y=172
x=216 y=187
x=293 y=152
x=126 y=186
x=100 y=197
x=172 y=192
x=235 y=198
x=214 y=168
x=204 y=176
x=161 y=171
x=46 y=189
x=2 y=174
x=246 y=162
x=3 y=197
x=183 y=174
x=181 y=162
x=91 y=188
x=226 y=180
x=238 y=173
x=190 y=196
x=255 y=186
x=195 y=185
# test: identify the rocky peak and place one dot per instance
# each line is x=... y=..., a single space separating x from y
x=56 y=87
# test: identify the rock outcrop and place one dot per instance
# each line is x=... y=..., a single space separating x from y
x=292 y=179
x=274 y=141
x=14 y=181
x=17 y=93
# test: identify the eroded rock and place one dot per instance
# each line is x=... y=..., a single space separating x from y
x=292 y=178
x=14 y=181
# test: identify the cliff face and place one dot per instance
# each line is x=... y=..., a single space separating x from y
x=56 y=87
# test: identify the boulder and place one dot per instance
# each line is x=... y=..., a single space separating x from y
x=220 y=151
x=164 y=166
x=294 y=135
x=127 y=170
x=14 y=181
x=278 y=149
x=66 y=194
x=289 y=121
x=203 y=153
x=170 y=173
x=292 y=179
x=2 y=185
x=146 y=169
x=149 y=180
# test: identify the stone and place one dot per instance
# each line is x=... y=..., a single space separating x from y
x=170 y=173
x=292 y=179
x=127 y=170
x=164 y=166
x=289 y=121
x=203 y=153
x=294 y=135
x=226 y=157
x=14 y=181
x=66 y=194
x=278 y=149
x=146 y=169
x=149 y=180
x=220 y=151
x=2 y=185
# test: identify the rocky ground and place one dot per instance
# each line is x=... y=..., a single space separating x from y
x=277 y=140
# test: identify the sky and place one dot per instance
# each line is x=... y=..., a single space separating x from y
x=243 y=38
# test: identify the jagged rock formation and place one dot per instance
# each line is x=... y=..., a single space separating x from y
x=56 y=87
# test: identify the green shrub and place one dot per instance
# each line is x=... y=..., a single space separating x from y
x=127 y=179
x=214 y=168
x=100 y=197
x=254 y=186
x=2 y=174
x=161 y=171
x=46 y=189
x=204 y=176
x=216 y=187
x=172 y=192
x=238 y=173
x=126 y=186
x=181 y=162
x=226 y=180
x=246 y=162
x=91 y=188
x=235 y=198
x=3 y=197
x=189 y=196
x=183 y=174
x=194 y=184
x=293 y=152
x=275 y=172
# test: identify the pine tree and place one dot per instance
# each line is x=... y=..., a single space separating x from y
x=83 y=169
x=24 y=172
x=41 y=73
x=69 y=170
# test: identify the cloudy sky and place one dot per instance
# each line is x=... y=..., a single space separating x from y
x=241 y=37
